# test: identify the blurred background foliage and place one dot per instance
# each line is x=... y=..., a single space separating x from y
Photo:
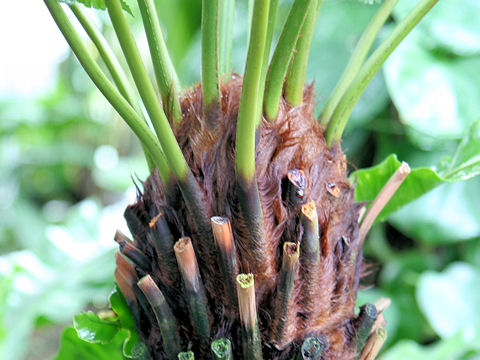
x=68 y=165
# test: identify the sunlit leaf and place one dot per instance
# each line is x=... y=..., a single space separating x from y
x=371 y=180
x=90 y=327
x=453 y=348
x=466 y=162
x=436 y=95
x=72 y=347
x=447 y=214
x=450 y=300
x=452 y=25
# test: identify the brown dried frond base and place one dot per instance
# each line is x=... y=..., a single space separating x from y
x=293 y=141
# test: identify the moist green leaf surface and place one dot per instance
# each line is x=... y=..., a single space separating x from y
x=436 y=95
x=450 y=299
x=90 y=327
x=451 y=25
x=72 y=347
x=95 y=337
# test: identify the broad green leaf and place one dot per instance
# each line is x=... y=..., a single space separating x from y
x=452 y=25
x=371 y=180
x=98 y=4
x=454 y=348
x=466 y=161
x=72 y=347
x=437 y=96
x=94 y=334
x=90 y=327
x=120 y=307
x=464 y=165
x=450 y=300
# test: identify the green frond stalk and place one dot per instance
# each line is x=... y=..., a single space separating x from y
x=373 y=64
x=106 y=53
x=227 y=14
x=165 y=74
x=247 y=126
x=134 y=121
x=169 y=144
x=357 y=59
x=281 y=57
x=115 y=69
x=210 y=58
x=272 y=19
x=297 y=69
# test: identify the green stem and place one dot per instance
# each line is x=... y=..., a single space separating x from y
x=297 y=69
x=210 y=57
x=227 y=13
x=118 y=75
x=169 y=144
x=281 y=57
x=162 y=64
x=370 y=68
x=246 y=125
x=357 y=59
x=272 y=18
x=125 y=110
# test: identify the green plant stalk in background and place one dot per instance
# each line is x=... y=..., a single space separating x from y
x=373 y=64
x=125 y=110
x=175 y=159
x=227 y=15
x=357 y=59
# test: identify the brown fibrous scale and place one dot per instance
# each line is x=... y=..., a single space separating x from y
x=294 y=141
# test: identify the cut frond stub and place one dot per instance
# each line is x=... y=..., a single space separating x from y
x=382 y=199
x=251 y=342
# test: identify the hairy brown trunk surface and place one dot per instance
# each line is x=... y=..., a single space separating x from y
x=324 y=307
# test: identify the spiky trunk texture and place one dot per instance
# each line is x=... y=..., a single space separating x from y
x=323 y=303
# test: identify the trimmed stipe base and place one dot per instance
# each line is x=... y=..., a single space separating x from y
x=305 y=197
